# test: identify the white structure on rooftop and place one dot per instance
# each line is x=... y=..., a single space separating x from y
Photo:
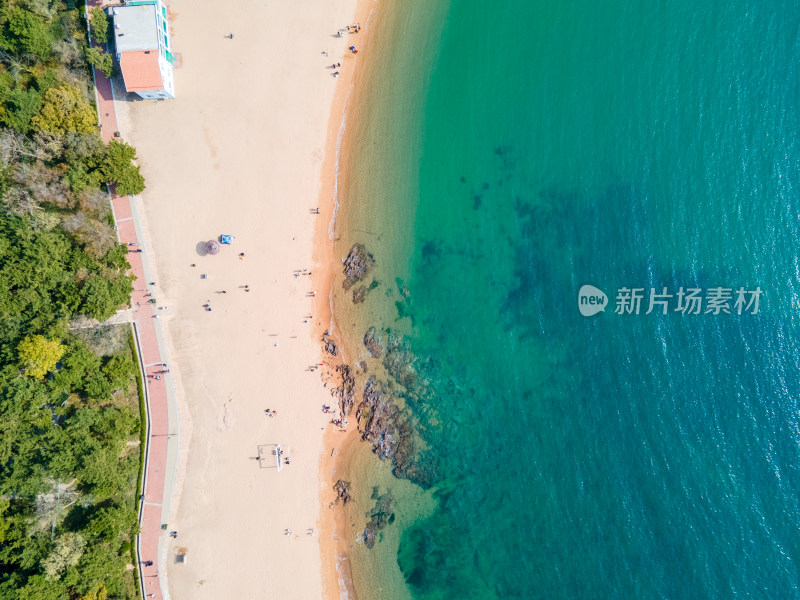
x=141 y=35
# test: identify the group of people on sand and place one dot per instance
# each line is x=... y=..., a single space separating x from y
x=354 y=28
x=309 y=531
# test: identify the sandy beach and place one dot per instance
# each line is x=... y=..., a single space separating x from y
x=241 y=151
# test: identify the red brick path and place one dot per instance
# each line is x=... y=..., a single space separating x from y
x=145 y=317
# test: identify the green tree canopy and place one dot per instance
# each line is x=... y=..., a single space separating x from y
x=118 y=168
x=24 y=32
x=101 y=297
x=65 y=110
x=69 y=419
x=39 y=355
x=101 y=60
x=67 y=551
x=19 y=107
x=98 y=21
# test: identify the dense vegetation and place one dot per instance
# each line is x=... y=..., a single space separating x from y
x=69 y=405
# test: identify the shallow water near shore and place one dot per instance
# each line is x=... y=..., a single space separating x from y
x=504 y=163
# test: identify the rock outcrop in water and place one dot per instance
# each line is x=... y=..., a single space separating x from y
x=377 y=420
x=391 y=435
x=342 y=491
x=373 y=343
x=357 y=265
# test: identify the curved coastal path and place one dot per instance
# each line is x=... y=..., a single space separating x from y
x=163 y=435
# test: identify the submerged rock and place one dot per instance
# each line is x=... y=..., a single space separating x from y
x=399 y=361
x=402 y=288
x=360 y=294
x=379 y=517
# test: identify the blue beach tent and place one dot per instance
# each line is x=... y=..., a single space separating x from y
x=226 y=239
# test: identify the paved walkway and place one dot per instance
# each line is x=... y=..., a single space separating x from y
x=162 y=426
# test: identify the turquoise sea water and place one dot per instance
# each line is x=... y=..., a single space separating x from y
x=547 y=145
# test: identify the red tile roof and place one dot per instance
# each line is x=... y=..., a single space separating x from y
x=140 y=70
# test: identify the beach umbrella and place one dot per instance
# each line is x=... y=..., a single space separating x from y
x=212 y=246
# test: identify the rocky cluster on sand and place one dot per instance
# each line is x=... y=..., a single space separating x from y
x=330 y=345
x=345 y=393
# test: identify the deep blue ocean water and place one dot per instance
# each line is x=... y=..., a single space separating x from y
x=619 y=144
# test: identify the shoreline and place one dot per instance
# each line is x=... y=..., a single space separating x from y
x=334 y=545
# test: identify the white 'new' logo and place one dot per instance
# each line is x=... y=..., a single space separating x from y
x=591 y=300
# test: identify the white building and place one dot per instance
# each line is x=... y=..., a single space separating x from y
x=141 y=35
